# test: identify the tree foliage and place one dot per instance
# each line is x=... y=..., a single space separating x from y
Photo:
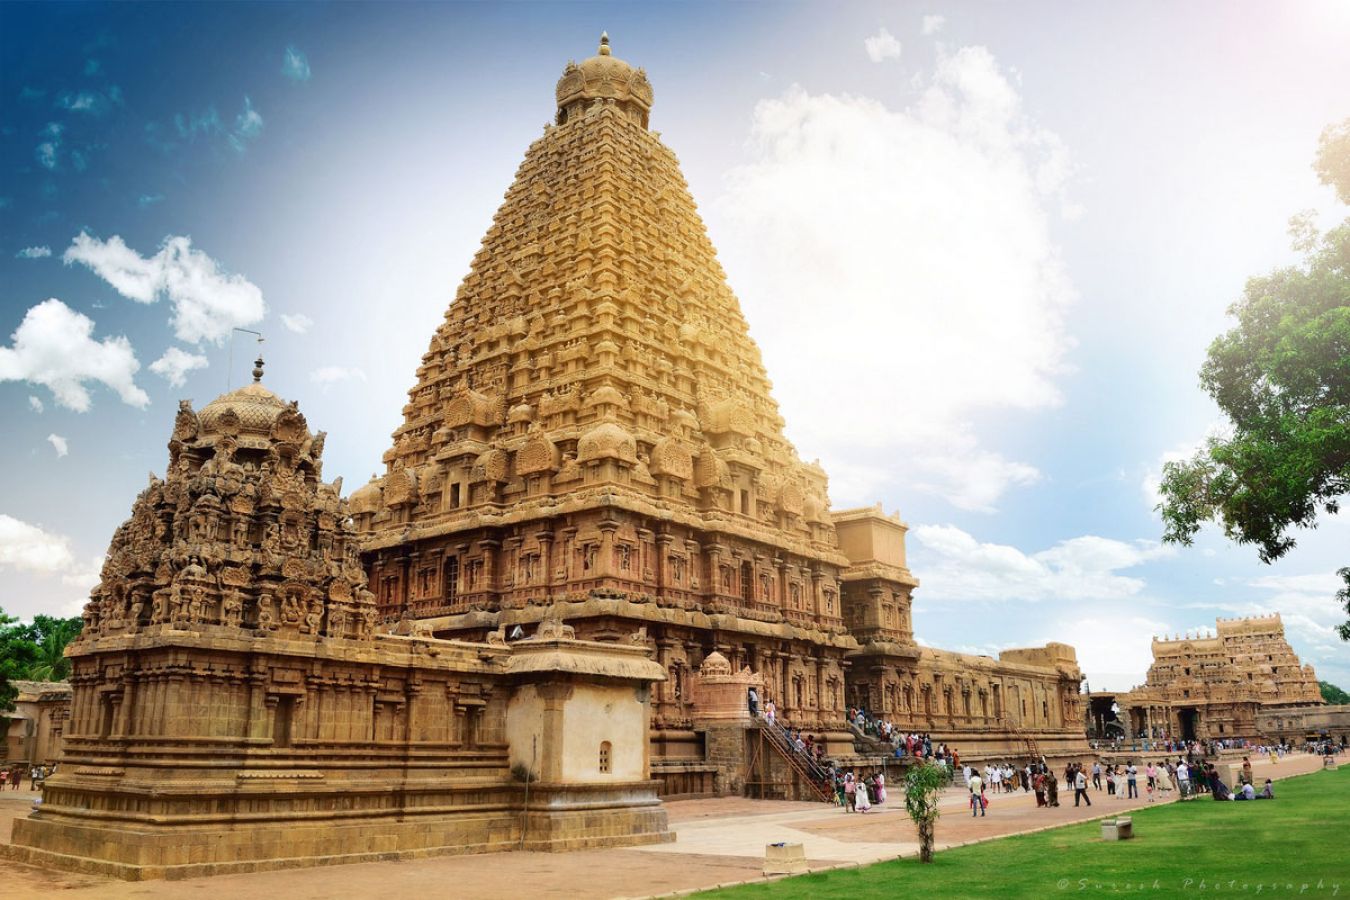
x=33 y=652
x=923 y=784
x=1282 y=377
x=1333 y=694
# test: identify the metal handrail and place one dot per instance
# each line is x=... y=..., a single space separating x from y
x=814 y=772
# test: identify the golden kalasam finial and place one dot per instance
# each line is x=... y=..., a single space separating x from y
x=604 y=43
x=257 y=369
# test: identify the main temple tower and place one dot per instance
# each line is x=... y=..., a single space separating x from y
x=592 y=431
x=592 y=437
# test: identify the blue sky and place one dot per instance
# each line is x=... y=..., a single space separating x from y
x=983 y=247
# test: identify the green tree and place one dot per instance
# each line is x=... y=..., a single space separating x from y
x=1282 y=376
x=50 y=637
x=1333 y=694
x=17 y=653
x=923 y=783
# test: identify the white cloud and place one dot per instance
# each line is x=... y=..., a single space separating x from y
x=28 y=548
x=294 y=65
x=83 y=578
x=31 y=550
x=882 y=46
x=174 y=365
x=48 y=152
x=914 y=247
x=208 y=303
x=327 y=376
x=1114 y=651
x=933 y=24
x=247 y=126
x=34 y=253
x=1078 y=569
x=35 y=404
x=59 y=444
x=53 y=346
x=298 y=322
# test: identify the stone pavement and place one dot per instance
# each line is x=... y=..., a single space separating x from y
x=720 y=842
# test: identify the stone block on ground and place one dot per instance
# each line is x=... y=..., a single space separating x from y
x=784 y=859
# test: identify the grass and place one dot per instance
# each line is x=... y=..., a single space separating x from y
x=1282 y=848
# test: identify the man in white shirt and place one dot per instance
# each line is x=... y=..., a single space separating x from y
x=1080 y=788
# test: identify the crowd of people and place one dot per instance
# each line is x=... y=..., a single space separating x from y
x=13 y=775
x=1189 y=774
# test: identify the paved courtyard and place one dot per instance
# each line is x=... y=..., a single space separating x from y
x=719 y=842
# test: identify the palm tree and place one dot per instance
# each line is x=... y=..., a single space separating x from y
x=50 y=637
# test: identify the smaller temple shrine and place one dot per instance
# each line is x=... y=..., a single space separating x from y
x=233 y=707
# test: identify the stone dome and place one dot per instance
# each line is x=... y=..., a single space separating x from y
x=606 y=395
x=255 y=407
x=608 y=440
x=367 y=498
x=603 y=77
x=715 y=664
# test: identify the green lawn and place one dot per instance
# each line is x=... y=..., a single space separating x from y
x=1202 y=848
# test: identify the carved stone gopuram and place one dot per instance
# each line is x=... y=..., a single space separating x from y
x=592 y=436
x=234 y=708
x=1233 y=683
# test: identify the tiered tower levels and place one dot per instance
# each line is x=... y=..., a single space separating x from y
x=592 y=436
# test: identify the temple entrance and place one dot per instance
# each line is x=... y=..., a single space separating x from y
x=1190 y=720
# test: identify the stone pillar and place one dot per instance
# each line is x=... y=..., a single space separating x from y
x=715 y=570
x=565 y=571
x=490 y=550
x=663 y=541
x=817 y=596
x=545 y=539
x=551 y=742
x=605 y=565
x=404 y=585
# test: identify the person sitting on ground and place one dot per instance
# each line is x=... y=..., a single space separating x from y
x=1246 y=793
x=1268 y=792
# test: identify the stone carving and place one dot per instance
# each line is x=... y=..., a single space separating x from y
x=200 y=563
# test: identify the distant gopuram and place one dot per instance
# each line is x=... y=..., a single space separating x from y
x=1217 y=686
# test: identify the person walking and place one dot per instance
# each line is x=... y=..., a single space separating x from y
x=1097 y=774
x=1132 y=780
x=1080 y=784
x=850 y=792
x=977 y=803
x=861 y=802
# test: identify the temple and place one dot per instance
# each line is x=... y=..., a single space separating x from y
x=1235 y=683
x=590 y=540
x=233 y=707
x=592 y=437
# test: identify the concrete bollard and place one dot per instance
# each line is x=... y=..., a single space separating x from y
x=784 y=859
